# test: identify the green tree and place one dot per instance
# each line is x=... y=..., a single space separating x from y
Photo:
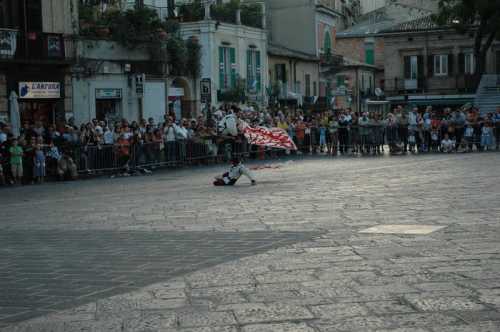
x=193 y=61
x=479 y=17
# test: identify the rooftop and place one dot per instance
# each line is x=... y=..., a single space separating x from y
x=279 y=50
x=382 y=19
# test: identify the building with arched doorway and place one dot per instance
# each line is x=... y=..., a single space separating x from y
x=182 y=98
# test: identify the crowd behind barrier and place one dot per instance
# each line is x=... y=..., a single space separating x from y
x=67 y=151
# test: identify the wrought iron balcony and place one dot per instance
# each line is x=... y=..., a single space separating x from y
x=18 y=46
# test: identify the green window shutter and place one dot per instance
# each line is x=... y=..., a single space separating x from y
x=221 y=68
x=327 y=43
x=249 y=69
x=340 y=80
x=370 y=57
x=232 y=57
x=259 y=71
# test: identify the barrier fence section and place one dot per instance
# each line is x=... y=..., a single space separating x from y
x=210 y=150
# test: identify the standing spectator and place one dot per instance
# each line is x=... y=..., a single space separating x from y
x=403 y=123
x=16 y=161
x=487 y=136
x=364 y=132
x=28 y=162
x=170 y=132
x=39 y=164
x=458 y=121
x=322 y=136
x=123 y=146
x=300 y=132
x=392 y=133
x=343 y=134
x=496 y=120
x=181 y=137
x=108 y=136
x=427 y=128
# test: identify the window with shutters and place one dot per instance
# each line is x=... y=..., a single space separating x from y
x=308 y=85
x=469 y=63
x=498 y=62
x=281 y=73
x=441 y=65
x=227 y=68
x=413 y=67
x=369 y=53
x=253 y=70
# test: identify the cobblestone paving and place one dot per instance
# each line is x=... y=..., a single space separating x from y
x=335 y=279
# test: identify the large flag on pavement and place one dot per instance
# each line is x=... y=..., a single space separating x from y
x=270 y=137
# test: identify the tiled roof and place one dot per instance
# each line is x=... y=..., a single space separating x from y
x=383 y=19
x=420 y=24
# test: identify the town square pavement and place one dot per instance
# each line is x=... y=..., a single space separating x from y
x=353 y=244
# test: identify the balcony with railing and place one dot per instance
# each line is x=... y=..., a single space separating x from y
x=19 y=46
x=460 y=84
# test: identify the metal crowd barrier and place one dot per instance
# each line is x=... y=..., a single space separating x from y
x=345 y=140
x=107 y=158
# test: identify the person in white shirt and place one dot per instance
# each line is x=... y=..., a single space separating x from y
x=170 y=137
x=235 y=172
x=447 y=145
x=108 y=136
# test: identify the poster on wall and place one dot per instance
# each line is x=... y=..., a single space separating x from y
x=39 y=90
x=54 y=46
x=8 y=43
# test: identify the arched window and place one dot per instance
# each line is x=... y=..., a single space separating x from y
x=327 y=42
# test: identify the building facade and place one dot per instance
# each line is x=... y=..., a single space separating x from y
x=37 y=53
x=111 y=82
x=308 y=28
x=234 y=57
x=426 y=64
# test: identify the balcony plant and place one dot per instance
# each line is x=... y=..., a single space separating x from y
x=251 y=15
x=191 y=12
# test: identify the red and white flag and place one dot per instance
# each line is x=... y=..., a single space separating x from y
x=270 y=137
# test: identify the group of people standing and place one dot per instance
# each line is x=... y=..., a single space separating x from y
x=402 y=131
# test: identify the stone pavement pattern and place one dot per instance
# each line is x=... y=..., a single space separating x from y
x=335 y=279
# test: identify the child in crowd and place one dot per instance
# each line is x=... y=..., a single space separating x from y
x=16 y=161
x=39 y=164
x=447 y=145
x=435 y=140
x=322 y=137
x=487 y=141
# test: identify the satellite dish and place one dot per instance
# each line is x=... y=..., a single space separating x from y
x=379 y=92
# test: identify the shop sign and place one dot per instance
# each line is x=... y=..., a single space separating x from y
x=108 y=93
x=39 y=90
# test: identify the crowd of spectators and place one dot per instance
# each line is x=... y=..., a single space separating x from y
x=64 y=150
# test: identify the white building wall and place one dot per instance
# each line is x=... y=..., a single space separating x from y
x=239 y=37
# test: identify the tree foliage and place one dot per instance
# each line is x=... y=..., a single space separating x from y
x=193 y=61
x=479 y=17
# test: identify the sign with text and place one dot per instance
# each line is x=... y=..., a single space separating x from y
x=39 y=90
x=206 y=90
x=108 y=93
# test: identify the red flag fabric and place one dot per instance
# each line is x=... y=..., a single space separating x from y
x=270 y=137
